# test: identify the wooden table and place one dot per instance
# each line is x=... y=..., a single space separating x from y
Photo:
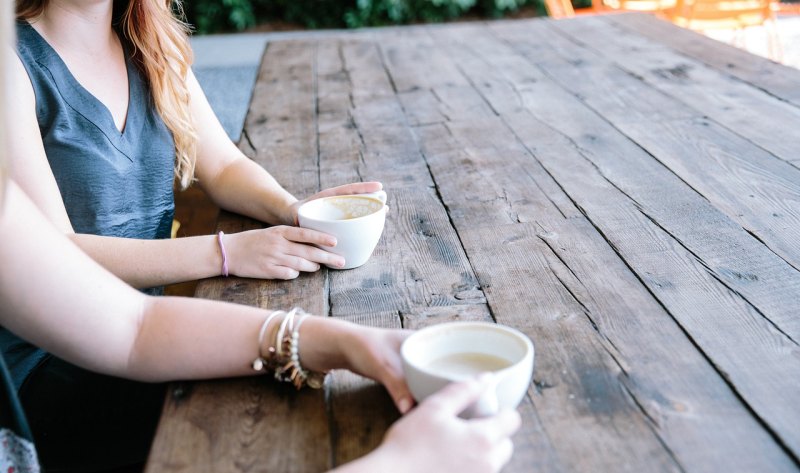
x=624 y=192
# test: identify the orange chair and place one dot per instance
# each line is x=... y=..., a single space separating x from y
x=736 y=15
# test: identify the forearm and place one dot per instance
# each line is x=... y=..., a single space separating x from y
x=149 y=263
x=246 y=188
x=59 y=299
x=196 y=339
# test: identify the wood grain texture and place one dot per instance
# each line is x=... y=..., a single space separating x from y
x=577 y=378
x=683 y=281
x=238 y=426
x=776 y=79
x=727 y=250
x=595 y=198
x=419 y=264
x=736 y=175
x=767 y=121
x=731 y=454
x=219 y=426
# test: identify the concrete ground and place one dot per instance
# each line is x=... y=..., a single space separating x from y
x=227 y=65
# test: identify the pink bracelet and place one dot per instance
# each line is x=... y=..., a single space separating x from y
x=224 y=255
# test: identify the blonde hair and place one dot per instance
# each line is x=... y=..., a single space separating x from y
x=162 y=53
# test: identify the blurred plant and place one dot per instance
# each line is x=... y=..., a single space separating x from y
x=214 y=15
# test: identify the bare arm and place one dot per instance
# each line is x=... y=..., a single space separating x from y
x=92 y=319
x=59 y=299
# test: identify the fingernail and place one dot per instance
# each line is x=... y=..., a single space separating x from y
x=404 y=405
x=341 y=264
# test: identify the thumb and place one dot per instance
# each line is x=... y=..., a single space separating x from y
x=455 y=397
x=401 y=395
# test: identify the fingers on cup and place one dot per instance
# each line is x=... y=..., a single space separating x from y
x=300 y=263
x=400 y=394
x=283 y=272
x=455 y=397
x=306 y=235
x=500 y=426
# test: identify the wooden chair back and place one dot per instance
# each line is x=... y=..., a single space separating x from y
x=722 y=14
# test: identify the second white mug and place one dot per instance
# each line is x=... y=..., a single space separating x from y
x=355 y=220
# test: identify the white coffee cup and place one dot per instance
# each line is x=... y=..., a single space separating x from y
x=441 y=354
x=355 y=220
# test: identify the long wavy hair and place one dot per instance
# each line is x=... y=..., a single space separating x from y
x=162 y=53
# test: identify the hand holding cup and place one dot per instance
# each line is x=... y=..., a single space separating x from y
x=356 y=221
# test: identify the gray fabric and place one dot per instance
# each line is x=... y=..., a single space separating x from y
x=112 y=183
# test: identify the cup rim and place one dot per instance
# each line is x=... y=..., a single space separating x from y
x=446 y=325
x=312 y=202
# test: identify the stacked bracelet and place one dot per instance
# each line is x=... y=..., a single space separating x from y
x=283 y=358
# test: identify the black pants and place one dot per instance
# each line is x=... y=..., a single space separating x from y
x=88 y=422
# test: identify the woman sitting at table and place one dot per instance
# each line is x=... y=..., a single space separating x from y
x=107 y=114
x=54 y=295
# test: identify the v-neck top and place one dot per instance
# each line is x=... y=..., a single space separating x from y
x=112 y=183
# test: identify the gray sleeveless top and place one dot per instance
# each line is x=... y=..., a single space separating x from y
x=112 y=183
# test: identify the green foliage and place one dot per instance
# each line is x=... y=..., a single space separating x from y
x=209 y=16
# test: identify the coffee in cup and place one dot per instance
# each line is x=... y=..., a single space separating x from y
x=355 y=220
x=441 y=354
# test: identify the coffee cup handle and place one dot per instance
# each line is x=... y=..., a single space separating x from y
x=380 y=195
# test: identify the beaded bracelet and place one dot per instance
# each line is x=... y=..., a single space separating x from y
x=283 y=358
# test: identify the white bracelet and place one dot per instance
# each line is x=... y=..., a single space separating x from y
x=260 y=362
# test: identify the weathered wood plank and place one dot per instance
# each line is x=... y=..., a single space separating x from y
x=637 y=211
x=282 y=119
x=751 y=112
x=484 y=132
x=483 y=170
x=590 y=420
x=687 y=401
x=729 y=251
x=189 y=438
x=748 y=184
x=419 y=264
x=540 y=140
x=363 y=136
x=408 y=57
x=776 y=79
x=223 y=425
x=541 y=309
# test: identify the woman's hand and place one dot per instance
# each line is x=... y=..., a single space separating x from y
x=278 y=252
x=347 y=189
x=433 y=438
x=375 y=353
